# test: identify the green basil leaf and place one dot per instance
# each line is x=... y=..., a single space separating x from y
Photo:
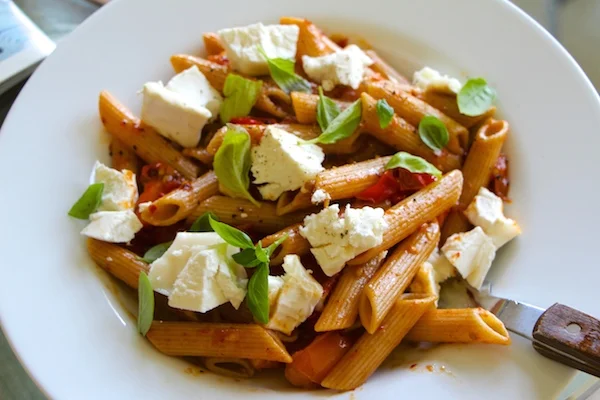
x=261 y=254
x=271 y=248
x=240 y=96
x=156 y=252
x=145 y=304
x=88 y=202
x=246 y=257
x=413 y=164
x=385 y=113
x=231 y=235
x=258 y=294
x=232 y=164
x=475 y=97
x=433 y=133
x=327 y=110
x=283 y=73
x=202 y=224
x=342 y=127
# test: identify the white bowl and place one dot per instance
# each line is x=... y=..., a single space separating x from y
x=65 y=321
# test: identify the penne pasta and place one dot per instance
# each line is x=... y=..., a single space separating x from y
x=482 y=156
x=122 y=157
x=424 y=281
x=178 y=204
x=212 y=43
x=464 y=325
x=143 y=140
x=305 y=106
x=119 y=262
x=341 y=309
x=372 y=349
x=311 y=41
x=406 y=216
x=198 y=339
x=398 y=271
x=232 y=367
x=387 y=71
x=242 y=212
x=413 y=109
x=447 y=104
x=349 y=180
x=289 y=202
x=294 y=244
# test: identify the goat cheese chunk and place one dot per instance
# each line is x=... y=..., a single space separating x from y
x=242 y=46
x=282 y=162
x=319 y=196
x=487 y=211
x=113 y=226
x=297 y=297
x=179 y=110
x=431 y=79
x=197 y=273
x=344 y=67
x=336 y=240
x=120 y=188
x=472 y=254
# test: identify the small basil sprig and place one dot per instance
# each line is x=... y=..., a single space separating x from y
x=240 y=96
x=232 y=164
x=156 y=252
x=342 y=127
x=282 y=72
x=433 y=133
x=412 y=163
x=202 y=223
x=89 y=202
x=385 y=113
x=327 y=110
x=251 y=256
x=475 y=97
x=145 y=304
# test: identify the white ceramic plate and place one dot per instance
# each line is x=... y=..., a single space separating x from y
x=69 y=328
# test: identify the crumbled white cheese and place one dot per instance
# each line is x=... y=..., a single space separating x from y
x=442 y=267
x=113 y=226
x=242 y=46
x=320 y=196
x=120 y=191
x=274 y=285
x=486 y=211
x=283 y=163
x=180 y=110
x=297 y=297
x=430 y=79
x=471 y=253
x=344 y=67
x=337 y=240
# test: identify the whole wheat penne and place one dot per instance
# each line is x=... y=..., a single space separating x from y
x=348 y=180
x=212 y=43
x=413 y=109
x=290 y=202
x=311 y=41
x=398 y=271
x=122 y=157
x=259 y=365
x=404 y=137
x=143 y=140
x=198 y=339
x=406 y=216
x=294 y=244
x=241 y=212
x=341 y=309
x=463 y=325
x=482 y=156
x=305 y=106
x=424 y=281
x=447 y=104
x=119 y=262
x=386 y=70
x=178 y=204
x=371 y=350
x=229 y=366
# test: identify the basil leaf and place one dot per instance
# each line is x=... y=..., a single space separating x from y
x=145 y=304
x=231 y=235
x=261 y=254
x=271 y=248
x=232 y=164
x=246 y=257
x=327 y=110
x=156 y=252
x=412 y=163
x=433 y=133
x=240 y=96
x=475 y=97
x=88 y=202
x=258 y=294
x=342 y=127
x=385 y=113
x=283 y=73
x=202 y=224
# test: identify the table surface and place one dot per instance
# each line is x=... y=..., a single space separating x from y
x=59 y=17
